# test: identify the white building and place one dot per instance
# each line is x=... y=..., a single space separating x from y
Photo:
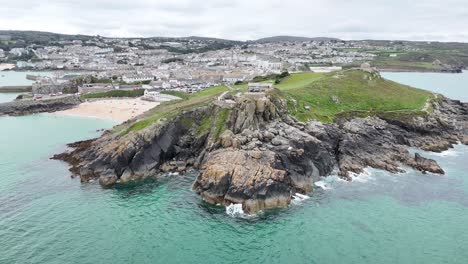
x=325 y=69
x=158 y=97
x=232 y=78
x=136 y=78
x=259 y=87
x=17 y=51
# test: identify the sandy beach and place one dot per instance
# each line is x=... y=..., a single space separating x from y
x=119 y=110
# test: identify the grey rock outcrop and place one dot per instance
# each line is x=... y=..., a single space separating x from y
x=264 y=156
x=29 y=106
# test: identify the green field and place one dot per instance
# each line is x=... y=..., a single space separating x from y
x=327 y=96
x=416 y=56
x=308 y=96
x=114 y=93
x=299 y=80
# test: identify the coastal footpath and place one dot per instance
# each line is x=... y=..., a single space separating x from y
x=259 y=154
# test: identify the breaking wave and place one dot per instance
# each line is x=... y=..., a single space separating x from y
x=448 y=153
x=327 y=183
x=236 y=211
x=299 y=198
x=362 y=177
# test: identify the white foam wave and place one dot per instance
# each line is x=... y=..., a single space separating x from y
x=299 y=198
x=362 y=177
x=235 y=210
x=448 y=153
x=328 y=182
x=322 y=184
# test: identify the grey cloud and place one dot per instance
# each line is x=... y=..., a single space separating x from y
x=243 y=19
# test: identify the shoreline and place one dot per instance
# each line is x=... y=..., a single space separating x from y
x=118 y=110
x=419 y=71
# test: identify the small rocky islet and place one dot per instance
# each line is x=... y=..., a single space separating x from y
x=256 y=150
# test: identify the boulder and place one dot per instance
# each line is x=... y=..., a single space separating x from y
x=227 y=139
x=426 y=165
x=244 y=177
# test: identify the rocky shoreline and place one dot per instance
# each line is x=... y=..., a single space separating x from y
x=264 y=156
x=454 y=70
x=30 y=106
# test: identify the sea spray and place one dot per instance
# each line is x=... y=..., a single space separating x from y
x=327 y=183
x=362 y=177
x=323 y=185
x=299 y=198
x=235 y=210
x=447 y=153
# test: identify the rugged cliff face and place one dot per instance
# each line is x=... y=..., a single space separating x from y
x=168 y=145
x=257 y=155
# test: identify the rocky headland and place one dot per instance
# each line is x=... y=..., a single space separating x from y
x=30 y=106
x=256 y=154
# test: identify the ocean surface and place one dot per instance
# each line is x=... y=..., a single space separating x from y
x=7 y=97
x=453 y=86
x=48 y=217
x=18 y=78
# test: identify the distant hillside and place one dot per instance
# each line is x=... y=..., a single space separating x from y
x=292 y=38
x=49 y=36
x=209 y=39
x=39 y=36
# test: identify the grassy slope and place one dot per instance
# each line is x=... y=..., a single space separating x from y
x=407 y=61
x=114 y=93
x=358 y=92
x=298 y=80
x=173 y=108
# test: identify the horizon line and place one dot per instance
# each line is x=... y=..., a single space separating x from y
x=228 y=39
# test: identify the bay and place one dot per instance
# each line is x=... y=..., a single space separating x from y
x=18 y=78
x=48 y=217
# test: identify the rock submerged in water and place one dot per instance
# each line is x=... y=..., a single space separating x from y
x=264 y=156
x=426 y=165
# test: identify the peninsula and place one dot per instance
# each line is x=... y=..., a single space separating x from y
x=258 y=146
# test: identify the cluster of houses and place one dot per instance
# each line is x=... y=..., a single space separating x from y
x=129 y=64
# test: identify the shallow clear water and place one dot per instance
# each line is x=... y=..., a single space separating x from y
x=47 y=217
x=7 y=97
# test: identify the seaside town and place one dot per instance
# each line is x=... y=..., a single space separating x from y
x=188 y=65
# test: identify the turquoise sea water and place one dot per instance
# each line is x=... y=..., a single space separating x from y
x=454 y=86
x=7 y=97
x=47 y=217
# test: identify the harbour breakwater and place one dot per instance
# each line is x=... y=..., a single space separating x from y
x=16 y=89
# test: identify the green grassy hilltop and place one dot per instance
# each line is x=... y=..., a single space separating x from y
x=309 y=96
x=326 y=96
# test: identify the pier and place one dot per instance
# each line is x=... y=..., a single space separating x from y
x=16 y=89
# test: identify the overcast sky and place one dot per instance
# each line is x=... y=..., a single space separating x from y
x=444 y=20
